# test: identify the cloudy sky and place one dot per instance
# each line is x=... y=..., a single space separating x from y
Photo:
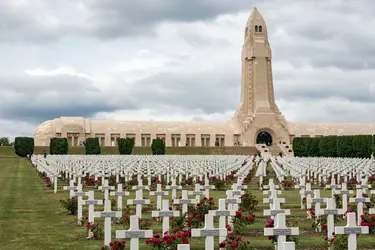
x=180 y=60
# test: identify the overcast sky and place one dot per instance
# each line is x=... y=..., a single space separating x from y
x=180 y=60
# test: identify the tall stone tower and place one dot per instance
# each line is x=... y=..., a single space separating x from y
x=258 y=112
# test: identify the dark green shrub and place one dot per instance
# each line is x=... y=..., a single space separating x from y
x=92 y=146
x=328 y=146
x=126 y=145
x=23 y=146
x=58 y=146
x=158 y=147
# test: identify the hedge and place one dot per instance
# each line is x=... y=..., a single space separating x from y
x=58 y=146
x=158 y=147
x=23 y=146
x=126 y=145
x=92 y=146
x=335 y=146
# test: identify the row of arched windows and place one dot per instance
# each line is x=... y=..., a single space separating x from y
x=258 y=28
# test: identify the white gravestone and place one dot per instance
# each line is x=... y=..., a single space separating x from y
x=330 y=211
x=359 y=200
x=79 y=194
x=344 y=194
x=222 y=213
x=231 y=201
x=280 y=230
x=119 y=193
x=138 y=202
x=159 y=193
x=183 y=247
x=209 y=232
x=207 y=187
x=174 y=187
x=184 y=201
x=91 y=202
x=108 y=214
x=276 y=209
x=134 y=233
x=197 y=192
x=105 y=187
x=71 y=188
x=352 y=230
x=165 y=213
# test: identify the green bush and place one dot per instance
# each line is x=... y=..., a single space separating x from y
x=92 y=146
x=23 y=146
x=158 y=147
x=126 y=145
x=58 y=146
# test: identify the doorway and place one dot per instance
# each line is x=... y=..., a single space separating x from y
x=264 y=137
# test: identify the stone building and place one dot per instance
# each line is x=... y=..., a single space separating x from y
x=257 y=120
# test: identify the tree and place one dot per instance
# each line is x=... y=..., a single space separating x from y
x=4 y=141
x=126 y=145
x=58 y=146
x=158 y=147
x=92 y=146
x=23 y=146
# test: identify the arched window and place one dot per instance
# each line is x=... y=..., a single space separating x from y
x=256 y=28
x=260 y=28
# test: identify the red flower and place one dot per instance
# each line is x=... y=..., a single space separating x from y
x=222 y=244
x=169 y=242
x=185 y=241
x=250 y=217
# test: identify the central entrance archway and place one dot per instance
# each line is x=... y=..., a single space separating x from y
x=264 y=137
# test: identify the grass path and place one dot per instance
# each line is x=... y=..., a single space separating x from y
x=31 y=218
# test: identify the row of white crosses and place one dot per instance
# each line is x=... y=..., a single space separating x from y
x=280 y=230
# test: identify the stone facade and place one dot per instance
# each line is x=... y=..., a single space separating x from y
x=257 y=113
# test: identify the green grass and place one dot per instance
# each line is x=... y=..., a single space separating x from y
x=31 y=216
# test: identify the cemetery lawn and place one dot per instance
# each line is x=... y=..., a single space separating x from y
x=31 y=216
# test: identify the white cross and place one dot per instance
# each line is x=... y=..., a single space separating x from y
x=281 y=230
x=197 y=192
x=271 y=185
x=139 y=202
x=174 y=187
x=71 y=188
x=119 y=193
x=363 y=185
x=231 y=201
x=134 y=233
x=165 y=213
x=223 y=214
x=352 y=230
x=307 y=192
x=159 y=193
x=79 y=194
x=330 y=211
x=184 y=201
x=359 y=200
x=344 y=192
x=207 y=187
x=183 y=247
x=108 y=214
x=276 y=209
x=209 y=232
x=333 y=186
x=91 y=202
x=273 y=195
x=290 y=245
x=105 y=187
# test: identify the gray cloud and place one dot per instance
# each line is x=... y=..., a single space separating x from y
x=39 y=98
x=115 y=18
x=209 y=91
